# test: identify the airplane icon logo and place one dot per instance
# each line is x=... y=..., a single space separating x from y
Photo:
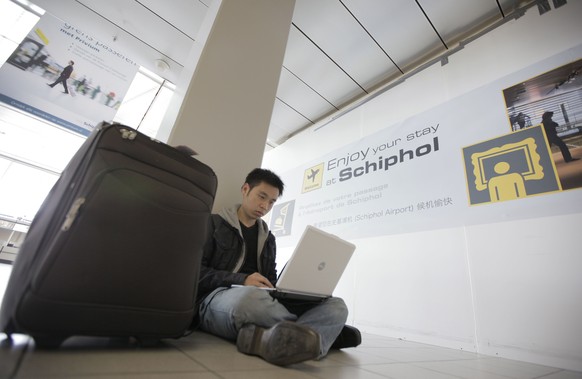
x=313 y=178
x=313 y=175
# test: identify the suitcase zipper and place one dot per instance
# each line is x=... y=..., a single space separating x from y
x=72 y=213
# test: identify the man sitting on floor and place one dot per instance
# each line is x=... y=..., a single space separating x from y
x=240 y=250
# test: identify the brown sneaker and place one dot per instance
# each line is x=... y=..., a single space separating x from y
x=282 y=344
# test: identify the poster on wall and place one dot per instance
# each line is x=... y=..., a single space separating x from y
x=552 y=99
x=376 y=184
x=62 y=74
x=449 y=166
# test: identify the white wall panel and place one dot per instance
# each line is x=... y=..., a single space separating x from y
x=528 y=289
x=415 y=286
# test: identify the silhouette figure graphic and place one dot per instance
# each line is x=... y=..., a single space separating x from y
x=506 y=186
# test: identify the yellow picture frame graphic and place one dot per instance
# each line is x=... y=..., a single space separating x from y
x=535 y=169
x=510 y=167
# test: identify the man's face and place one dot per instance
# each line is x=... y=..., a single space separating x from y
x=258 y=201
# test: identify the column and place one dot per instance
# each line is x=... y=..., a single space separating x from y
x=224 y=111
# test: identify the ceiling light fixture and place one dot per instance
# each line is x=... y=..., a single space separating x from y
x=162 y=65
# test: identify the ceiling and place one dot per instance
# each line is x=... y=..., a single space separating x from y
x=339 y=52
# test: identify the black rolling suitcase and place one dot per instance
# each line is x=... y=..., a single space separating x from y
x=115 y=248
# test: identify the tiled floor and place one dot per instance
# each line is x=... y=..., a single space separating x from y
x=203 y=356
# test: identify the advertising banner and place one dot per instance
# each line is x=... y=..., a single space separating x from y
x=62 y=74
x=445 y=167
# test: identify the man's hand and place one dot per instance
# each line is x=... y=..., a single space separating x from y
x=257 y=280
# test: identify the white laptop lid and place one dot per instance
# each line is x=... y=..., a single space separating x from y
x=317 y=263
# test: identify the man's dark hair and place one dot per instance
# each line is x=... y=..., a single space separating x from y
x=258 y=175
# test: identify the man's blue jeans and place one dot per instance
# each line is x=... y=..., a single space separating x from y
x=226 y=310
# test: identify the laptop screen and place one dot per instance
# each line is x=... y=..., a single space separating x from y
x=317 y=264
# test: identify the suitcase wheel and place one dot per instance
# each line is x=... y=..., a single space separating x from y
x=48 y=342
x=148 y=342
x=6 y=342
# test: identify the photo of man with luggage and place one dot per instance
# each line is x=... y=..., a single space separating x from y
x=65 y=74
x=238 y=259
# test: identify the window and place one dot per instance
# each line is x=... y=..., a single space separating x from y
x=145 y=103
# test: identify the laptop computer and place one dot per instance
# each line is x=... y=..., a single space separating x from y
x=315 y=267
